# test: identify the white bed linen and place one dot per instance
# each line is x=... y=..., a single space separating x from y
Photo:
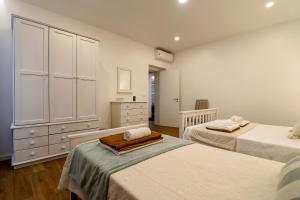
x=197 y=172
x=270 y=142
x=217 y=138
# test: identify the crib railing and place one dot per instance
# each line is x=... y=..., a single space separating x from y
x=194 y=117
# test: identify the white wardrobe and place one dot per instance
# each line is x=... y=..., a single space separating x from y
x=54 y=89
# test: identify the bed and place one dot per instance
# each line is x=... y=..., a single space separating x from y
x=266 y=141
x=192 y=171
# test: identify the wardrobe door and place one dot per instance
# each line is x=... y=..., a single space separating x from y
x=31 y=72
x=87 y=52
x=62 y=68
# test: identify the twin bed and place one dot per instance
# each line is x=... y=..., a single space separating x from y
x=189 y=171
x=266 y=141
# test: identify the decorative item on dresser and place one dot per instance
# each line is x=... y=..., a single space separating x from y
x=54 y=90
x=128 y=113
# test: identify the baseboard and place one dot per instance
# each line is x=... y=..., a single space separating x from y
x=5 y=157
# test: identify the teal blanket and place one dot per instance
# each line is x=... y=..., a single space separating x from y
x=92 y=164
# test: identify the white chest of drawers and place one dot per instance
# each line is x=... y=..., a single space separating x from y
x=128 y=113
x=45 y=141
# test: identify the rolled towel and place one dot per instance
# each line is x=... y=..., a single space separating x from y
x=136 y=133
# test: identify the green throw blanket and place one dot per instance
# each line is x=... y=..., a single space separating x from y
x=92 y=164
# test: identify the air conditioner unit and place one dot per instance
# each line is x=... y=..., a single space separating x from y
x=163 y=56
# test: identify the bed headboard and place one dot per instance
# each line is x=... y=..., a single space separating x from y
x=85 y=137
x=194 y=117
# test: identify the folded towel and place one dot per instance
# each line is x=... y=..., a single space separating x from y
x=223 y=125
x=296 y=129
x=237 y=119
x=133 y=147
x=118 y=143
x=293 y=137
x=136 y=133
x=240 y=120
x=244 y=123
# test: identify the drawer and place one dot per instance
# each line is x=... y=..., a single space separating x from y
x=59 y=148
x=59 y=138
x=133 y=112
x=63 y=128
x=127 y=119
x=135 y=118
x=139 y=105
x=140 y=118
x=127 y=106
x=31 y=154
x=30 y=132
x=132 y=123
x=30 y=143
x=63 y=137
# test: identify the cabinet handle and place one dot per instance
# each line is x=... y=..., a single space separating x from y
x=32 y=153
x=31 y=132
x=32 y=142
x=63 y=128
x=63 y=137
x=63 y=147
x=88 y=124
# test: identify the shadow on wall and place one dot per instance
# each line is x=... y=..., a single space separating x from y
x=6 y=68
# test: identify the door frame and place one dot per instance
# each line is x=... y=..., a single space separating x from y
x=156 y=70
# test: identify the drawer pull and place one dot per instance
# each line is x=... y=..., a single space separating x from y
x=32 y=142
x=63 y=147
x=63 y=137
x=63 y=128
x=32 y=153
x=31 y=132
x=88 y=124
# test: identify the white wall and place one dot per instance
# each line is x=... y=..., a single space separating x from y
x=115 y=50
x=255 y=75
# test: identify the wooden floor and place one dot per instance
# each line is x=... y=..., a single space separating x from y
x=39 y=182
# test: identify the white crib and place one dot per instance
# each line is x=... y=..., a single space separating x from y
x=194 y=117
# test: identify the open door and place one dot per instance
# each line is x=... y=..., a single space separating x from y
x=169 y=98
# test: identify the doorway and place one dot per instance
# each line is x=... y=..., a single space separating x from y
x=163 y=97
x=153 y=97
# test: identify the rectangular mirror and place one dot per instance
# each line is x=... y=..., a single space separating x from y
x=124 y=80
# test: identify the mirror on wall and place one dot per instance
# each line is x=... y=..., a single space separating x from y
x=124 y=80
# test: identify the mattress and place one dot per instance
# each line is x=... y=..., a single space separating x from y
x=270 y=142
x=196 y=172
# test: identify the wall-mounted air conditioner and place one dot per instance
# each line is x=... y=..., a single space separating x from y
x=163 y=56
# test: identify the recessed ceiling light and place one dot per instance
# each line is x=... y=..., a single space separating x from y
x=270 y=4
x=182 y=1
x=177 y=38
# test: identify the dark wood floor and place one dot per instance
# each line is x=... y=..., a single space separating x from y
x=39 y=182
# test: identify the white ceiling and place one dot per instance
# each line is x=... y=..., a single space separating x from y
x=156 y=22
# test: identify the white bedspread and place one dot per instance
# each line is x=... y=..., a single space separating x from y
x=270 y=142
x=197 y=172
x=223 y=140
